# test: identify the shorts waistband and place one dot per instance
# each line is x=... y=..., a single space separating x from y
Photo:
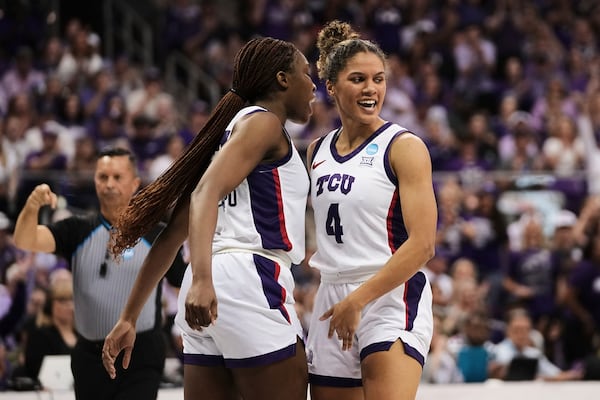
x=265 y=254
x=355 y=277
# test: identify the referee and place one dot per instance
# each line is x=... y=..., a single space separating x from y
x=102 y=284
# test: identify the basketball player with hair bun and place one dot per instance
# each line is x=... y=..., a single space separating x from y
x=375 y=215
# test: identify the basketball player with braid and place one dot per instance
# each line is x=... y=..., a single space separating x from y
x=244 y=211
x=375 y=216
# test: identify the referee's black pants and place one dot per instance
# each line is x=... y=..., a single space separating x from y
x=139 y=382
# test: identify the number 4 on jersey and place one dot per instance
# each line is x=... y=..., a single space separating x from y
x=333 y=225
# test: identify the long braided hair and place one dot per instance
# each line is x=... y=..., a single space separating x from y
x=254 y=78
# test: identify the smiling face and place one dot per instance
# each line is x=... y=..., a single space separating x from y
x=360 y=89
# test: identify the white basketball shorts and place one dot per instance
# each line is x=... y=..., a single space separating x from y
x=404 y=313
x=257 y=323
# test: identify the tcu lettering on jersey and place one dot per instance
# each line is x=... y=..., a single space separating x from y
x=343 y=182
x=356 y=195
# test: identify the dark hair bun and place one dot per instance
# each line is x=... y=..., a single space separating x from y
x=332 y=34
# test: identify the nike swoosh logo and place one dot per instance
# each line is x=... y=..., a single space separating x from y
x=315 y=165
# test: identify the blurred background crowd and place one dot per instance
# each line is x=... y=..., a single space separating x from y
x=506 y=94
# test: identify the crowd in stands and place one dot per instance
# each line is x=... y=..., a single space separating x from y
x=506 y=95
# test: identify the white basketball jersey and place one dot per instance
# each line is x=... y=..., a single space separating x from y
x=266 y=212
x=356 y=205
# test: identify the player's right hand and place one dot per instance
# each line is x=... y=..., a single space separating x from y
x=201 y=305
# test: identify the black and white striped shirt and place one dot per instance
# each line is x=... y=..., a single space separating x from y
x=99 y=296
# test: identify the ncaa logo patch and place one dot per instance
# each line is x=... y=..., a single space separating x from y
x=372 y=149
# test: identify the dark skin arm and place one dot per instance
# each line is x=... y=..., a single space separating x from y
x=255 y=139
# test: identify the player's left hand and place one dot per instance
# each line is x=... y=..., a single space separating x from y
x=121 y=338
x=345 y=317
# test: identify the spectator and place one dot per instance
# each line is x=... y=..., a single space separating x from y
x=94 y=98
x=563 y=150
x=399 y=105
x=48 y=99
x=530 y=279
x=144 y=142
x=80 y=191
x=440 y=366
x=173 y=148
x=449 y=236
x=151 y=101
x=51 y=54
x=35 y=303
x=584 y=39
x=196 y=119
x=21 y=78
x=577 y=71
x=109 y=131
x=515 y=83
x=13 y=300
x=466 y=299
x=565 y=250
x=49 y=160
x=5 y=367
x=80 y=61
x=9 y=254
x=436 y=270
x=72 y=121
x=467 y=165
x=518 y=343
x=501 y=122
x=70 y=112
x=21 y=105
x=556 y=101
x=475 y=57
x=439 y=136
x=13 y=139
x=588 y=124
x=386 y=21
x=478 y=126
x=54 y=333
x=126 y=75
x=431 y=89
x=543 y=55
x=188 y=26
x=9 y=169
x=583 y=302
x=473 y=348
x=518 y=148
x=487 y=244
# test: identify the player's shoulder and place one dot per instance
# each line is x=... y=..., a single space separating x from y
x=408 y=139
x=258 y=115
